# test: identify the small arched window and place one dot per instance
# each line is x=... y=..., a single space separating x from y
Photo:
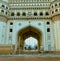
x=47 y=13
x=55 y=5
x=56 y=10
x=59 y=4
x=6 y=13
x=18 y=14
x=3 y=6
x=6 y=7
x=48 y=29
x=35 y=13
x=11 y=30
x=48 y=23
x=41 y=14
x=52 y=12
x=24 y=14
x=2 y=11
x=12 y=14
x=52 y=6
x=11 y=23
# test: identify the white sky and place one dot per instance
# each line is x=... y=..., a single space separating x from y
x=31 y=41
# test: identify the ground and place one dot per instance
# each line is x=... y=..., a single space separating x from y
x=42 y=57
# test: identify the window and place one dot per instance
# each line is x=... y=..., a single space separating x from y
x=47 y=13
x=6 y=13
x=48 y=23
x=35 y=13
x=52 y=12
x=55 y=4
x=6 y=7
x=24 y=14
x=3 y=6
x=56 y=10
x=12 y=14
x=41 y=14
x=11 y=23
x=59 y=4
x=48 y=29
x=52 y=6
x=11 y=30
x=18 y=14
x=2 y=10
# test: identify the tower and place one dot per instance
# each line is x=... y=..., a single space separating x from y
x=55 y=13
x=4 y=14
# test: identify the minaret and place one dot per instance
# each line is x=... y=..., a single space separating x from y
x=55 y=13
x=4 y=13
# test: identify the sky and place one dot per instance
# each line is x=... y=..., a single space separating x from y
x=31 y=42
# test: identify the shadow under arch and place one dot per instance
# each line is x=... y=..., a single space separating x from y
x=26 y=33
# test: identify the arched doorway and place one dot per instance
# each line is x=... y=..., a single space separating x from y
x=27 y=33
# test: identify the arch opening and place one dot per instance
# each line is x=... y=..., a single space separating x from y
x=32 y=34
x=31 y=43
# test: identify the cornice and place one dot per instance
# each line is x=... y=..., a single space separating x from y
x=28 y=8
x=27 y=18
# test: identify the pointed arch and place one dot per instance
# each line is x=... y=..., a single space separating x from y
x=29 y=32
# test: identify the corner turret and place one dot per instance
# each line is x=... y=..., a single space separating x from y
x=55 y=10
x=4 y=10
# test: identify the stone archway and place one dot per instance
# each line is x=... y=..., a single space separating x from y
x=28 y=32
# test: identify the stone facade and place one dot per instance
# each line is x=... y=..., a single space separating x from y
x=42 y=16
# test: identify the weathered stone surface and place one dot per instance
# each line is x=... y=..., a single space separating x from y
x=29 y=58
